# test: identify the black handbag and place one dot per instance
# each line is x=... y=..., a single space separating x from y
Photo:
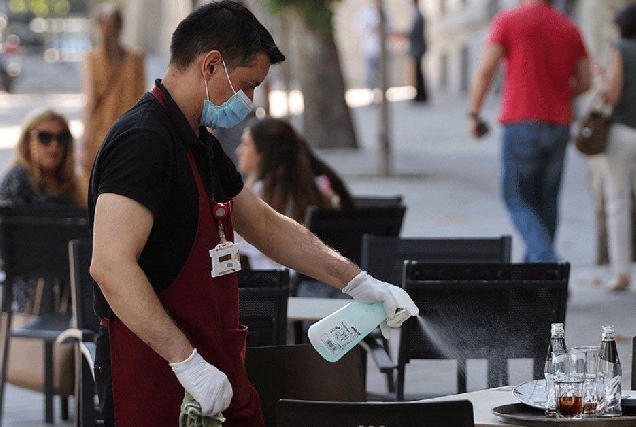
x=591 y=137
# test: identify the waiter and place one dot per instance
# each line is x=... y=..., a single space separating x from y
x=164 y=201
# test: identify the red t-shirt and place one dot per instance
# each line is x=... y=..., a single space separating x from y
x=541 y=49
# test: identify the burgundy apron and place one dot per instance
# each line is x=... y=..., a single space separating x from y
x=145 y=390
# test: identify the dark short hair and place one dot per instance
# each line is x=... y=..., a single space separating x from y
x=226 y=26
x=626 y=21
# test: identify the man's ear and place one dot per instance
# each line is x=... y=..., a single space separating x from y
x=209 y=63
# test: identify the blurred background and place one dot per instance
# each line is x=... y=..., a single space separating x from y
x=317 y=35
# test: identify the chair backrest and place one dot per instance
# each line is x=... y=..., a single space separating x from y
x=293 y=413
x=34 y=242
x=84 y=317
x=374 y=201
x=263 y=305
x=343 y=229
x=299 y=372
x=482 y=311
x=383 y=256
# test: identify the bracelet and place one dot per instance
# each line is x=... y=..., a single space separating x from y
x=473 y=115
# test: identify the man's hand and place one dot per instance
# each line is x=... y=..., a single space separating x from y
x=478 y=127
x=398 y=305
x=209 y=386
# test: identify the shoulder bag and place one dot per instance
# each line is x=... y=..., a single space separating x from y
x=591 y=137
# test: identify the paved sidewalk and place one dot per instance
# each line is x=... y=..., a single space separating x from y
x=450 y=184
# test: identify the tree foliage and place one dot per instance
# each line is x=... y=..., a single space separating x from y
x=316 y=13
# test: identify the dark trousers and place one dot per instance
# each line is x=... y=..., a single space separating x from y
x=102 y=377
x=420 y=81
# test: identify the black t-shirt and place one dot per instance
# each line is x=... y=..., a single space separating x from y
x=143 y=157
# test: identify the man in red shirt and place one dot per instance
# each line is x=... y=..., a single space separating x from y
x=546 y=66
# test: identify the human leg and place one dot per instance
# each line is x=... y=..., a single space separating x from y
x=522 y=164
x=621 y=157
x=596 y=174
x=420 y=87
x=553 y=141
x=373 y=63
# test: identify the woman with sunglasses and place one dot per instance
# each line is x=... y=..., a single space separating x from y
x=43 y=168
x=41 y=174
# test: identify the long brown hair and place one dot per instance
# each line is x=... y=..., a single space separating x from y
x=284 y=168
x=65 y=174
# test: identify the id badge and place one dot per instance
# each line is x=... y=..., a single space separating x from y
x=225 y=259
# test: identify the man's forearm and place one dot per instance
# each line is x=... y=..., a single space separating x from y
x=138 y=307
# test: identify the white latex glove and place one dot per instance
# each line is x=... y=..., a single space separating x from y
x=209 y=386
x=398 y=305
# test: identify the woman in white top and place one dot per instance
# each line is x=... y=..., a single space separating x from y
x=277 y=164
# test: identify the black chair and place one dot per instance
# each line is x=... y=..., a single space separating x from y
x=481 y=311
x=383 y=257
x=299 y=372
x=263 y=298
x=343 y=230
x=34 y=243
x=368 y=201
x=293 y=413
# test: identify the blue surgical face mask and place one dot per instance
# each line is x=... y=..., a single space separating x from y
x=230 y=113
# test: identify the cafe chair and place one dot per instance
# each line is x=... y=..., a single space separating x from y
x=263 y=296
x=491 y=311
x=34 y=244
x=299 y=372
x=294 y=413
x=82 y=333
x=342 y=229
x=365 y=201
x=383 y=257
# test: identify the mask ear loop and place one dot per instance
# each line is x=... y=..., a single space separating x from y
x=207 y=94
x=228 y=76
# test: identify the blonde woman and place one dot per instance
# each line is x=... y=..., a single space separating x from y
x=43 y=169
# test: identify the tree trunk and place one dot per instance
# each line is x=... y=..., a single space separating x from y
x=327 y=121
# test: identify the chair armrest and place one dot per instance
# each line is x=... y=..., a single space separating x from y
x=75 y=334
x=378 y=353
x=88 y=351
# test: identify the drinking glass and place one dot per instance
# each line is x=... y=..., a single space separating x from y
x=583 y=363
x=569 y=394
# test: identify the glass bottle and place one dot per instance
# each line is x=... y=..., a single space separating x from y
x=342 y=330
x=554 y=365
x=608 y=376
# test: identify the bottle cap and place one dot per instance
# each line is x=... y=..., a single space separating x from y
x=557 y=330
x=607 y=333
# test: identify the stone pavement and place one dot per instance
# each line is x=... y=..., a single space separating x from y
x=450 y=184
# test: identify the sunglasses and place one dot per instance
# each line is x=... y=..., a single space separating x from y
x=45 y=137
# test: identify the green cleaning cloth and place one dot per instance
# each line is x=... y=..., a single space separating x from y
x=190 y=415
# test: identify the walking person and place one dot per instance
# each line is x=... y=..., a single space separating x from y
x=417 y=39
x=619 y=91
x=114 y=78
x=164 y=200
x=546 y=66
x=368 y=25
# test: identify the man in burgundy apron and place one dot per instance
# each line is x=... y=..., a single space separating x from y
x=164 y=200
